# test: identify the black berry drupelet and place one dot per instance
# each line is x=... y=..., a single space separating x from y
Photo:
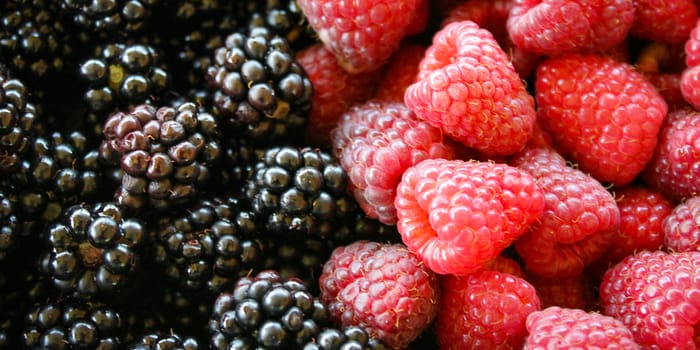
x=166 y=153
x=9 y=224
x=266 y=311
x=165 y=341
x=282 y=17
x=350 y=338
x=94 y=250
x=70 y=324
x=260 y=88
x=18 y=121
x=106 y=19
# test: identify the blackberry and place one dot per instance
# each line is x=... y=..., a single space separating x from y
x=120 y=76
x=349 y=338
x=299 y=192
x=260 y=88
x=105 y=19
x=266 y=311
x=94 y=250
x=282 y=17
x=18 y=121
x=33 y=39
x=187 y=312
x=69 y=324
x=9 y=225
x=164 y=341
x=166 y=153
x=204 y=250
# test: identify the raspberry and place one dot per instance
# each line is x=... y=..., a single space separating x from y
x=505 y=264
x=642 y=213
x=570 y=292
x=664 y=21
x=468 y=87
x=690 y=86
x=602 y=114
x=681 y=228
x=692 y=46
x=570 y=328
x=457 y=215
x=669 y=86
x=420 y=18
x=675 y=167
x=484 y=310
x=375 y=143
x=335 y=91
x=383 y=288
x=579 y=217
x=400 y=72
x=362 y=35
x=657 y=296
x=553 y=27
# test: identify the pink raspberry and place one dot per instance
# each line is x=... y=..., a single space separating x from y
x=400 y=72
x=642 y=213
x=375 y=143
x=458 y=215
x=382 y=288
x=579 y=217
x=468 y=88
x=675 y=167
x=335 y=91
x=361 y=34
x=602 y=114
x=657 y=296
x=571 y=328
x=664 y=20
x=681 y=228
x=484 y=310
x=552 y=27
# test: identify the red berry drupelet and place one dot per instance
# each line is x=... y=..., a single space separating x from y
x=375 y=143
x=665 y=21
x=681 y=228
x=602 y=114
x=468 y=87
x=690 y=77
x=382 y=288
x=484 y=310
x=567 y=328
x=457 y=215
x=657 y=296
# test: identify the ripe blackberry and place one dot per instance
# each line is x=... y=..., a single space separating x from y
x=9 y=225
x=18 y=121
x=299 y=192
x=166 y=153
x=260 y=88
x=94 y=250
x=163 y=341
x=105 y=19
x=282 y=17
x=344 y=339
x=120 y=76
x=204 y=249
x=266 y=311
x=33 y=39
x=69 y=324
x=187 y=312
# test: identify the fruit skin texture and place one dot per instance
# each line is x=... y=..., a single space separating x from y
x=681 y=229
x=565 y=328
x=657 y=296
x=664 y=21
x=552 y=27
x=579 y=219
x=383 y=288
x=458 y=215
x=602 y=114
x=362 y=35
x=484 y=310
x=674 y=169
x=375 y=143
x=468 y=88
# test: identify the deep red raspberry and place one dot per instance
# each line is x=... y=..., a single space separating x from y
x=420 y=19
x=571 y=328
x=657 y=296
x=335 y=91
x=458 y=215
x=579 y=218
x=690 y=86
x=675 y=167
x=383 y=288
x=484 y=310
x=642 y=213
x=602 y=114
x=681 y=229
x=692 y=46
x=669 y=87
x=505 y=264
x=552 y=27
x=362 y=34
x=400 y=72
x=666 y=21
x=375 y=143
x=570 y=292
x=468 y=87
